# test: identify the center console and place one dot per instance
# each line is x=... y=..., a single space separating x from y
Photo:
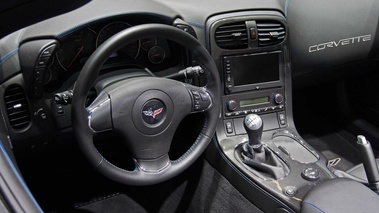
x=250 y=50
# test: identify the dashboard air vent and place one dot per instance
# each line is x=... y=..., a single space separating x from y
x=270 y=33
x=17 y=107
x=232 y=36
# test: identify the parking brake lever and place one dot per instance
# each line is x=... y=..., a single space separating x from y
x=369 y=163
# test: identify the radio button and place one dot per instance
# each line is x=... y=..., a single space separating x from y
x=236 y=113
x=229 y=87
x=228 y=78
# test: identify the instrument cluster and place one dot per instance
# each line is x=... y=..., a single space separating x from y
x=155 y=54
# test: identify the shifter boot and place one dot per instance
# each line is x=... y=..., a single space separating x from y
x=263 y=160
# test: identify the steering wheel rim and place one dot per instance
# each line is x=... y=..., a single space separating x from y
x=87 y=77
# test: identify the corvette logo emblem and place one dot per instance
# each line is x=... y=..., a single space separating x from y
x=151 y=113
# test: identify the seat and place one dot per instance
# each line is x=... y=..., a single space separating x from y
x=340 y=195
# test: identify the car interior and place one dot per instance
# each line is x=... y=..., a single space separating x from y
x=189 y=106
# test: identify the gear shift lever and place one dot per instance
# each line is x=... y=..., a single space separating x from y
x=254 y=126
x=255 y=155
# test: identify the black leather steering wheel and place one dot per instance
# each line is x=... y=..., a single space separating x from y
x=145 y=111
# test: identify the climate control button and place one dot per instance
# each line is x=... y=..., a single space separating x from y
x=232 y=105
x=278 y=98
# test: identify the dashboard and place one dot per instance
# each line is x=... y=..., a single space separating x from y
x=154 y=54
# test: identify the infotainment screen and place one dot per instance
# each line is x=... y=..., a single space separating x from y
x=252 y=71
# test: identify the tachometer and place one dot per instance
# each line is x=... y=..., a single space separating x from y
x=131 y=50
x=156 y=55
x=148 y=43
x=76 y=49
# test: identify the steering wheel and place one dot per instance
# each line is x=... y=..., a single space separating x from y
x=145 y=111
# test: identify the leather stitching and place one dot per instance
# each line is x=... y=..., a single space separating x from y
x=96 y=200
x=201 y=135
x=314 y=206
x=94 y=21
x=7 y=56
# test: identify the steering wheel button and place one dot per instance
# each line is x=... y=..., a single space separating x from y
x=42 y=62
x=204 y=96
x=49 y=50
x=195 y=94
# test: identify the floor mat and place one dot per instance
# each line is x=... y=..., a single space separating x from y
x=111 y=203
x=324 y=127
x=334 y=146
x=207 y=191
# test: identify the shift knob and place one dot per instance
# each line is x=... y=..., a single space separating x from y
x=254 y=126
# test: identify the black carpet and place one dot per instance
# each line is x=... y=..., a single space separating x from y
x=324 y=127
x=335 y=145
x=207 y=191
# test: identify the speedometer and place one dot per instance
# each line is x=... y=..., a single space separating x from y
x=76 y=49
x=131 y=50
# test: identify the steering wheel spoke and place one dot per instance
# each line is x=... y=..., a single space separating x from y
x=99 y=114
x=200 y=98
x=153 y=165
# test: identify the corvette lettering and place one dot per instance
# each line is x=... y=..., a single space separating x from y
x=342 y=42
x=151 y=113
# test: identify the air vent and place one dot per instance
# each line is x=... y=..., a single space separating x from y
x=17 y=107
x=232 y=36
x=270 y=33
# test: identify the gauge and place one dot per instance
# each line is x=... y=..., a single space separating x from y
x=131 y=49
x=156 y=55
x=148 y=43
x=76 y=49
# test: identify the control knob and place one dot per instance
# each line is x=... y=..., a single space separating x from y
x=278 y=98
x=232 y=105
